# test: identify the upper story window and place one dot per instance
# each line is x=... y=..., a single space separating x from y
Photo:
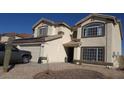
x=93 y=30
x=75 y=34
x=43 y=30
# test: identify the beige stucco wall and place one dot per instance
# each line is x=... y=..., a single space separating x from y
x=93 y=41
x=4 y=38
x=67 y=32
x=54 y=49
x=111 y=41
x=51 y=30
x=77 y=53
x=116 y=41
x=109 y=30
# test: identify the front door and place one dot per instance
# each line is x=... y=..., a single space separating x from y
x=70 y=53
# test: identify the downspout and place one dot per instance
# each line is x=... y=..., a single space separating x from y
x=41 y=53
x=39 y=59
x=106 y=34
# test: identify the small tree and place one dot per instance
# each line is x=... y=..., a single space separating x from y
x=7 y=56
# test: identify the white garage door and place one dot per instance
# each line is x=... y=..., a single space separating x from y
x=34 y=49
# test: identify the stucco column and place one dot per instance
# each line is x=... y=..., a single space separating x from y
x=42 y=53
x=42 y=50
x=79 y=33
x=108 y=52
x=36 y=32
x=77 y=53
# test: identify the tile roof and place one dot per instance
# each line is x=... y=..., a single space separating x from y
x=50 y=22
x=12 y=34
x=36 y=40
x=97 y=15
x=24 y=35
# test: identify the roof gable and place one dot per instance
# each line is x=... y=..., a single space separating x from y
x=47 y=21
x=112 y=18
x=108 y=17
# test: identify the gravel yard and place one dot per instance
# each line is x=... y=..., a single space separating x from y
x=70 y=74
x=60 y=70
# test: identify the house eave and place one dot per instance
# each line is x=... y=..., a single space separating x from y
x=97 y=15
x=72 y=44
x=47 y=21
x=36 y=40
x=121 y=31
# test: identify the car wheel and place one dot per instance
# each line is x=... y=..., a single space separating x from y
x=26 y=59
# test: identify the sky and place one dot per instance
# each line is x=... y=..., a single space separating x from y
x=23 y=22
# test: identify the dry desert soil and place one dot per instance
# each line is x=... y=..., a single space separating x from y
x=61 y=71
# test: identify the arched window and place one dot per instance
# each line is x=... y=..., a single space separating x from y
x=94 y=29
x=43 y=30
x=75 y=34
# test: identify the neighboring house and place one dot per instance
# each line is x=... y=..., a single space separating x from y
x=100 y=38
x=48 y=41
x=96 y=38
x=5 y=36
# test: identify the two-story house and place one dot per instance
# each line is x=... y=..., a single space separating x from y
x=95 y=38
x=48 y=39
x=100 y=38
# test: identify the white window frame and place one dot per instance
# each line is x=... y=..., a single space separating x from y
x=43 y=32
x=87 y=56
x=98 y=33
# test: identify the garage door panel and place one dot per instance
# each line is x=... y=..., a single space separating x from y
x=35 y=52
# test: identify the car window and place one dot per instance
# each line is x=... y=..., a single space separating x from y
x=14 y=48
x=2 y=48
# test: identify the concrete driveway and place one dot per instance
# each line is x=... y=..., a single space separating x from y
x=27 y=71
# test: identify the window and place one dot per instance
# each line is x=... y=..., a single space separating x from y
x=92 y=54
x=43 y=31
x=75 y=34
x=14 y=48
x=93 y=30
